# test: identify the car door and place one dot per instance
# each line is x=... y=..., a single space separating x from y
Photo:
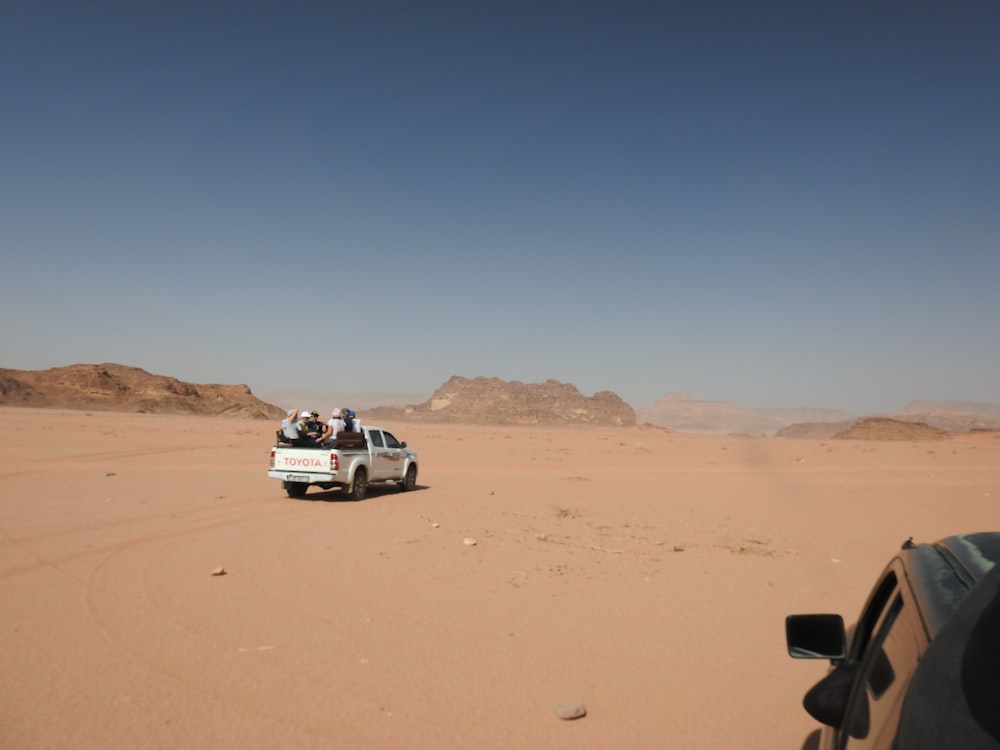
x=886 y=649
x=387 y=455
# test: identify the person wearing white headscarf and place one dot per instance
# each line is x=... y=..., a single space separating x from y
x=334 y=425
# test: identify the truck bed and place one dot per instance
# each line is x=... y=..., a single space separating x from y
x=343 y=441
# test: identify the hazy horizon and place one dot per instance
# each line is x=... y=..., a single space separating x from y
x=772 y=204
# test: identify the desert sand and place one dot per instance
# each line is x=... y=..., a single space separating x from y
x=643 y=572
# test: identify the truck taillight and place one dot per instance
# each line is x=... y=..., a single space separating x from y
x=334 y=466
x=272 y=458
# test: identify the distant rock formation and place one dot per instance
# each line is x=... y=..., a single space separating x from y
x=949 y=416
x=111 y=387
x=884 y=428
x=679 y=411
x=954 y=416
x=816 y=414
x=814 y=430
x=483 y=400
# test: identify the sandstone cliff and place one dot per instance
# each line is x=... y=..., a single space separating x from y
x=111 y=387
x=484 y=400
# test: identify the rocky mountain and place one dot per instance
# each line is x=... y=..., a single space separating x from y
x=979 y=408
x=884 y=428
x=954 y=416
x=679 y=411
x=814 y=430
x=805 y=414
x=870 y=428
x=483 y=400
x=949 y=416
x=111 y=387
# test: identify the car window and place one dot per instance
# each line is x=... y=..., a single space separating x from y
x=390 y=441
x=872 y=613
x=376 y=437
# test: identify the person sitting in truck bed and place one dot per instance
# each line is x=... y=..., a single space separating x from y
x=314 y=428
x=293 y=431
x=334 y=425
x=345 y=414
x=290 y=428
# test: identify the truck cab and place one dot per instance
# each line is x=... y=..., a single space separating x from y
x=928 y=637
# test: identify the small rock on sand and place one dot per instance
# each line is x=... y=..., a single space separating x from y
x=569 y=711
x=218 y=571
x=469 y=541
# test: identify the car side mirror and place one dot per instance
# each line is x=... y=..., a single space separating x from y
x=403 y=444
x=816 y=637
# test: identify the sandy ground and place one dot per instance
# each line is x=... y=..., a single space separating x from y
x=643 y=572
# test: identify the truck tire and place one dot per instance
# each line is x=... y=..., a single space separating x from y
x=409 y=481
x=296 y=489
x=359 y=487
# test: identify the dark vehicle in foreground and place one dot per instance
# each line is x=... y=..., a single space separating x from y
x=921 y=668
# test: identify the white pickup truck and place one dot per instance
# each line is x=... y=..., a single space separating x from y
x=358 y=459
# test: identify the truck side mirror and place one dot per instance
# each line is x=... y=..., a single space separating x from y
x=816 y=637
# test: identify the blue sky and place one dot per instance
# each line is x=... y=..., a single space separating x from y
x=770 y=203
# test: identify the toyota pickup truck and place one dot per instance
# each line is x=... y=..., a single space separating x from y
x=357 y=460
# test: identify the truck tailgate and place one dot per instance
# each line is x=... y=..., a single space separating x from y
x=301 y=460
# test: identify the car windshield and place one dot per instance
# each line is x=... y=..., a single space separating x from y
x=978 y=553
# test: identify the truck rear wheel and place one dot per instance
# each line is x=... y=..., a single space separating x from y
x=296 y=489
x=359 y=487
x=409 y=482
